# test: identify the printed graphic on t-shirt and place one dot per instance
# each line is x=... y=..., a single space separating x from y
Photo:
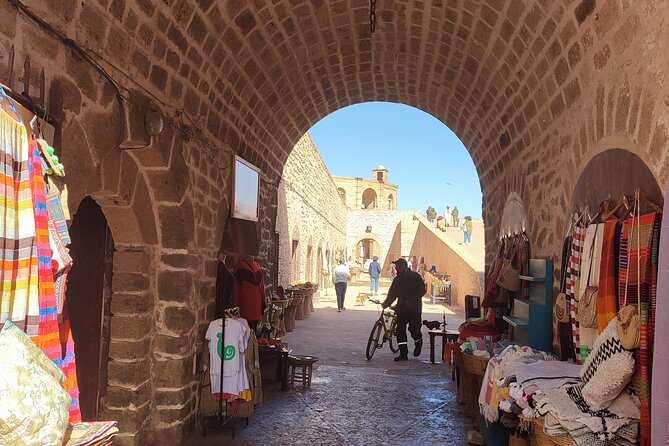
x=230 y=350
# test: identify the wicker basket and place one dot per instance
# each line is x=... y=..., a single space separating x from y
x=475 y=365
x=515 y=440
x=539 y=438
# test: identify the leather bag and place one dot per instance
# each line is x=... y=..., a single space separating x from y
x=629 y=318
x=587 y=304
x=509 y=276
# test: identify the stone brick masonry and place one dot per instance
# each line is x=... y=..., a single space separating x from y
x=534 y=89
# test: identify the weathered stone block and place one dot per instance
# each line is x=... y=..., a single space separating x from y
x=125 y=350
x=129 y=420
x=170 y=415
x=93 y=23
x=130 y=282
x=124 y=396
x=172 y=345
x=179 y=320
x=131 y=304
x=172 y=397
x=176 y=225
x=174 y=286
x=131 y=260
x=131 y=327
x=175 y=373
x=173 y=434
x=179 y=260
x=128 y=373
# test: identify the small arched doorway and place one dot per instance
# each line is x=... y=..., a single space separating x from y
x=88 y=303
x=366 y=249
x=369 y=199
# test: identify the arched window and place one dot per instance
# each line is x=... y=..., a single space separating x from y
x=369 y=199
x=391 y=203
x=342 y=194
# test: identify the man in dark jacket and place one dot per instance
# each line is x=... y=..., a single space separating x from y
x=408 y=288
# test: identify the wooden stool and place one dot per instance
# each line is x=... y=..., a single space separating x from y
x=300 y=369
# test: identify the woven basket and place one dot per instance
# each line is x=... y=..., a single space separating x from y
x=515 y=440
x=475 y=365
x=539 y=438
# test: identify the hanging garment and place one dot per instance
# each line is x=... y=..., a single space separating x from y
x=563 y=343
x=607 y=306
x=578 y=238
x=249 y=290
x=590 y=265
x=20 y=294
x=638 y=266
x=51 y=338
x=235 y=378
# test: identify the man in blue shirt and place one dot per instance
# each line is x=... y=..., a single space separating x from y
x=374 y=274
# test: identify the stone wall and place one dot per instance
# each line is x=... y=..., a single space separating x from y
x=464 y=278
x=314 y=215
x=384 y=225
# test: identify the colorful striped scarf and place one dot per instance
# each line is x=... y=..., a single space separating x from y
x=49 y=337
x=638 y=273
x=607 y=306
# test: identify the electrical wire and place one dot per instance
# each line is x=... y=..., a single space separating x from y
x=192 y=133
x=81 y=52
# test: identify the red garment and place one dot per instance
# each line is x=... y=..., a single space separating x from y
x=249 y=290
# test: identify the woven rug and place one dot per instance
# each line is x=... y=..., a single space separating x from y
x=96 y=433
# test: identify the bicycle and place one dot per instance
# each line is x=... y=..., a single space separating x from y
x=386 y=324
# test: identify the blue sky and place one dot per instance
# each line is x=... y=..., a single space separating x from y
x=423 y=156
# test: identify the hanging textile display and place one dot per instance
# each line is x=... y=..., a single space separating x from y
x=606 y=293
x=573 y=272
x=20 y=294
x=50 y=338
x=589 y=279
x=639 y=245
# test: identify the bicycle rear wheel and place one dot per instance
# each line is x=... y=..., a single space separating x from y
x=373 y=342
x=392 y=342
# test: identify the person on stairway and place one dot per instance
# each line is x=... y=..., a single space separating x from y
x=408 y=288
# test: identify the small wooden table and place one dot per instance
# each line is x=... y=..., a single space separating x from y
x=446 y=336
x=281 y=355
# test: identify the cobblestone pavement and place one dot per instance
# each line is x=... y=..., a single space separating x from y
x=353 y=401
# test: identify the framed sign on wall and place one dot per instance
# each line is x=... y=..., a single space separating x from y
x=245 y=190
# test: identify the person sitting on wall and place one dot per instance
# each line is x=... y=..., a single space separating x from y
x=249 y=290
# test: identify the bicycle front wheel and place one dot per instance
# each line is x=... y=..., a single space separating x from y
x=373 y=342
x=392 y=342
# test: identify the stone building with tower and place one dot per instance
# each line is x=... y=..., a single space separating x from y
x=364 y=193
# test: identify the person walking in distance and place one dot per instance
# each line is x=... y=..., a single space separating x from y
x=456 y=216
x=447 y=214
x=468 y=227
x=340 y=277
x=374 y=274
x=408 y=289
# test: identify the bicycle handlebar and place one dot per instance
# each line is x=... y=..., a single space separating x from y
x=375 y=301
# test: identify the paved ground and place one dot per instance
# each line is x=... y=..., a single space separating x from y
x=353 y=401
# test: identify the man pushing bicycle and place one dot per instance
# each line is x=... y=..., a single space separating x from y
x=408 y=288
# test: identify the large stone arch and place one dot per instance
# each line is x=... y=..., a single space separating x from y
x=527 y=85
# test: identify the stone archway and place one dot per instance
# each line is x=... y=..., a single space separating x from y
x=366 y=248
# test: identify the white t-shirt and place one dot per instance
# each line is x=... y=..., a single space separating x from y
x=236 y=341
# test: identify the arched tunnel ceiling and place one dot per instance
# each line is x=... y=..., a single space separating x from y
x=258 y=73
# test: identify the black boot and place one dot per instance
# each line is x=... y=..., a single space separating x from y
x=404 y=353
x=417 y=347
